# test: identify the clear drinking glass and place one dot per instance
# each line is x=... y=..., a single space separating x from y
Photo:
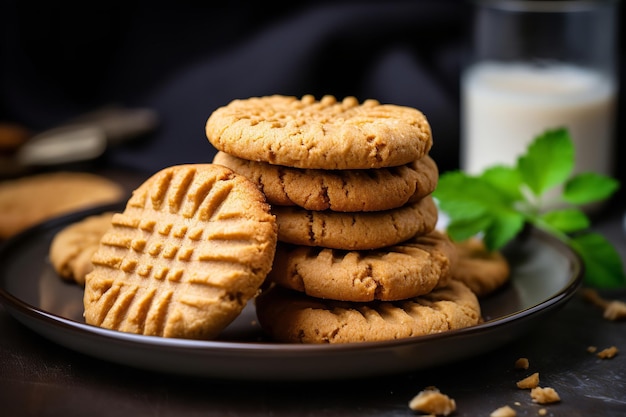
x=540 y=65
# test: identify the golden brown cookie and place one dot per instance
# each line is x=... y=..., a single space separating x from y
x=30 y=200
x=406 y=270
x=355 y=230
x=72 y=247
x=324 y=134
x=192 y=246
x=483 y=271
x=290 y=316
x=339 y=190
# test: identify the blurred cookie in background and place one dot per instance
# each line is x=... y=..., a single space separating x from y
x=29 y=200
x=72 y=247
x=483 y=271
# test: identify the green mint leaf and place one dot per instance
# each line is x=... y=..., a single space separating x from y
x=463 y=229
x=505 y=225
x=588 y=188
x=464 y=197
x=477 y=206
x=566 y=220
x=548 y=162
x=506 y=179
x=498 y=203
x=603 y=265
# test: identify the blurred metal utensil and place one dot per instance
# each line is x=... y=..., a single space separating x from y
x=63 y=146
x=82 y=139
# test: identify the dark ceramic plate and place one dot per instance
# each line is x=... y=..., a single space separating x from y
x=545 y=274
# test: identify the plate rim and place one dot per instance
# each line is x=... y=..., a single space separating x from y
x=28 y=314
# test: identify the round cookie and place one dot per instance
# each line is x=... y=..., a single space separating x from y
x=290 y=316
x=192 y=247
x=72 y=247
x=414 y=267
x=339 y=190
x=27 y=201
x=355 y=230
x=325 y=134
x=483 y=271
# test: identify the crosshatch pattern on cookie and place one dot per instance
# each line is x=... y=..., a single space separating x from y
x=292 y=317
x=324 y=134
x=191 y=248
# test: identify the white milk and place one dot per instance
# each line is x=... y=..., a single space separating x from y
x=505 y=106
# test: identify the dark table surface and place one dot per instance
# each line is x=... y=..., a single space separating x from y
x=41 y=378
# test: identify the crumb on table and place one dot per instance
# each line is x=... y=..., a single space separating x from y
x=612 y=309
x=432 y=401
x=530 y=381
x=505 y=411
x=607 y=353
x=521 y=363
x=545 y=395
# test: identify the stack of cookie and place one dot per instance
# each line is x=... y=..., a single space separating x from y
x=358 y=257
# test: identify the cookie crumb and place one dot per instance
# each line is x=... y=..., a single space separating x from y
x=521 y=363
x=607 y=353
x=592 y=349
x=542 y=412
x=531 y=381
x=613 y=309
x=505 y=411
x=432 y=401
x=545 y=395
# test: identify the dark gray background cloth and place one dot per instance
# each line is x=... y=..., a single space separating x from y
x=184 y=59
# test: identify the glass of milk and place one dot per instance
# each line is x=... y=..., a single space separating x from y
x=540 y=65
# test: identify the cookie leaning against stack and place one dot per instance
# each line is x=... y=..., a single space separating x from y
x=350 y=186
x=192 y=247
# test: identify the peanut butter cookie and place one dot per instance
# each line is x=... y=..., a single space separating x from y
x=355 y=230
x=325 y=134
x=72 y=247
x=27 y=201
x=293 y=317
x=191 y=248
x=405 y=270
x=339 y=190
x=483 y=271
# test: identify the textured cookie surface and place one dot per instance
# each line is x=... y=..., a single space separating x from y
x=290 y=316
x=30 y=200
x=324 y=134
x=355 y=230
x=406 y=270
x=481 y=270
x=192 y=246
x=72 y=247
x=339 y=190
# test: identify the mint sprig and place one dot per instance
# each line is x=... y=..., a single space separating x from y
x=499 y=202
